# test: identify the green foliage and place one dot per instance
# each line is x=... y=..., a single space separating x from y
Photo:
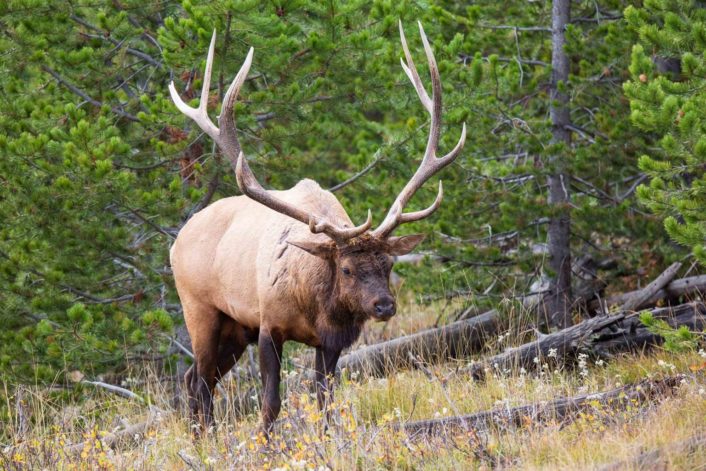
x=98 y=170
x=676 y=340
x=84 y=185
x=667 y=101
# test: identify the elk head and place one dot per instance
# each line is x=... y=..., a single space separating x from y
x=360 y=258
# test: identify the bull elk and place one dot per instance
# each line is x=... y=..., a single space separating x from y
x=273 y=266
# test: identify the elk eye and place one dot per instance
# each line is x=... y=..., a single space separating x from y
x=346 y=271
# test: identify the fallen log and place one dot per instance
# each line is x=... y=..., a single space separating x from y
x=631 y=335
x=639 y=297
x=562 y=409
x=456 y=340
x=655 y=459
x=601 y=335
x=693 y=285
x=563 y=344
x=132 y=432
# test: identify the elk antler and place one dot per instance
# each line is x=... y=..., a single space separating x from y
x=226 y=137
x=430 y=163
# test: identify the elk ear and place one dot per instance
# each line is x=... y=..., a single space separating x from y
x=319 y=249
x=404 y=244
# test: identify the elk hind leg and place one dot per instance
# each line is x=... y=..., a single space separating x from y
x=234 y=339
x=204 y=325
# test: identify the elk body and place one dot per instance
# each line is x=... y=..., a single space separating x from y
x=275 y=266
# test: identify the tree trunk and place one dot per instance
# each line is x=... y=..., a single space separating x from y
x=558 y=302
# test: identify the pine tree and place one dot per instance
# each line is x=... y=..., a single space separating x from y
x=98 y=170
x=667 y=103
x=85 y=189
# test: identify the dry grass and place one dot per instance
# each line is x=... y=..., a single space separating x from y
x=363 y=433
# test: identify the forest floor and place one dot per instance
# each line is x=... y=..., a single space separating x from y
x=368 y=416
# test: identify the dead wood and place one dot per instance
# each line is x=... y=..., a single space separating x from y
x=639 y=297
x=693 y=285
x=111 y=440
x=561 y=410
x=122 y=392
x=587 y=285
x=191 y=461
x=23 y=414
x=631 y=335
x=656 y=459
x=563 y=344
x=456 y=340
x=602 y=336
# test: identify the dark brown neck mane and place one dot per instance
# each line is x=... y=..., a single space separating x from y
x=339 y=325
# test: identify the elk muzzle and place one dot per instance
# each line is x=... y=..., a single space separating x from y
x=384 y=307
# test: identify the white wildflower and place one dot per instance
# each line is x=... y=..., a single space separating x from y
x=583 y=364
x=552 y=353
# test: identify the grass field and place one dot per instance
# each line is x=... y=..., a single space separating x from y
x=43 y=431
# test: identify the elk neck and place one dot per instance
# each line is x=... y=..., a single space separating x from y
x=337 y=324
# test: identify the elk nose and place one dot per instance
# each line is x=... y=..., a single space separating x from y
x=385 y=308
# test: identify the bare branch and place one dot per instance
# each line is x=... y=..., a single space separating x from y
x=115 y=390
x=542 y=29
x=373 y=163
x=77 y=91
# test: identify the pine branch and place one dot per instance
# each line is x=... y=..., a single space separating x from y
x=102 y=36
x=77 y=91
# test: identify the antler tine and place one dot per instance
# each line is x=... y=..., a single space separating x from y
x=430 y=163
x=249 y=185
x=199 y=115
x=341 y=233
x=417 y=215
x=435 y=111
x=412 y=73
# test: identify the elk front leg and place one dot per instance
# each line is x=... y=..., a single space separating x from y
x=325 y=366
x=270 y=350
